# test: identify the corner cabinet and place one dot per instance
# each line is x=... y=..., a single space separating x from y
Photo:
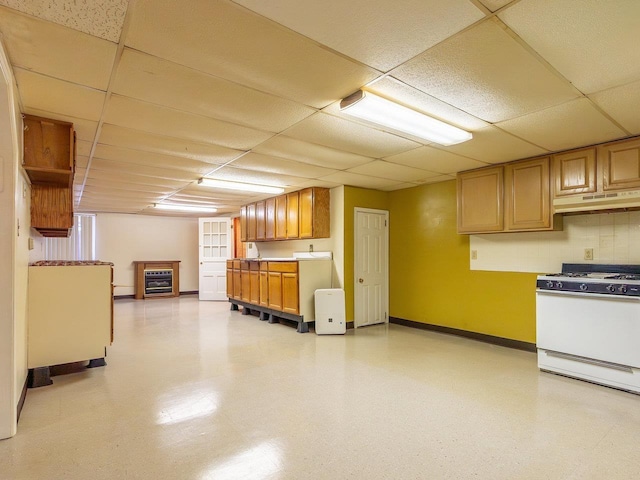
x=515 y=197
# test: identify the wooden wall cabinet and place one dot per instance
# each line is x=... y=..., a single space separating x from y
x=574 y=172
x=49 y=151
x=314 y=217
x=281 y=217
x=619 y=163
x=292 y=215
x=260 y=221
x=270 y=221
x=527 y=195
x=51 y=210
x=480 y=200
x=251 y=222
x=243 y=223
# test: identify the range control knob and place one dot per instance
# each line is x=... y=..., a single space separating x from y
x=549 y=284
x=583 y=287
x=622 y=289
x=559 y=284
x=611 y=288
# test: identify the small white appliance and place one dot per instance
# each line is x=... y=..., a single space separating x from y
x=330 y=311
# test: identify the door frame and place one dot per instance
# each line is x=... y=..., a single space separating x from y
x=223 y=260
x=356 y=255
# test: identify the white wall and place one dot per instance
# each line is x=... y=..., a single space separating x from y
x=122 y=239
x=614 y=238
x=335 y=243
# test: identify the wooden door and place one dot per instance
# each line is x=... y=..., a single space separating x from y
x=290 y=303
x=292 y=215
x=527 y=198
x=281 y=217
x=620 y=164
x=270 y=220
x=480 y=201
x=260 y=220
x=214 y=249
x=574 y=172
x=371 y=272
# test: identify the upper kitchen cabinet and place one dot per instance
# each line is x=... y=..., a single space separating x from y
x=314 y=218
x=260 y=221
x=574 y=172
x=251 y=222
x=243 y=223
x=281 y=217
x=292 y=215
x=620 y=165
x=49 y=151
x=480 y=201
x=270 y=220
x=527 y=195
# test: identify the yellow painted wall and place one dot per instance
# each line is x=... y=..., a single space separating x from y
x=430 y=279
x=364 y=198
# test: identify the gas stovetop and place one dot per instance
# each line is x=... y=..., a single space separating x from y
x=594 y=278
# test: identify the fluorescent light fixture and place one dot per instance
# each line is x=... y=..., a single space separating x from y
x=244 y=187
x=184 y=208
x=375 y=109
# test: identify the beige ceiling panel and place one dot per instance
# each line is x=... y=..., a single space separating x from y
x=622 y=104
x=494 y=5
x=380 y=34
x=85 y=129
x=249 y=49
x=166 y=83
x=591 y=42
x=101 y=18
x=138 y=115
x=399 y=186
x=438 y=179
x=392 y=171
x=341 y=134
x=96 y=194
x=56 y=51
x=434 y=160
x=83 y=148
x=81 y=161
x=573 y=124
x=57 y=96
x=318 y=183
x=172 y=146
x=487 y=73
x=151 y=159
x=252 y=176
x=492 y=145
x=357 y=180
x=103 y=165
x=186 y=196
x=266 y=163
x=124 y=177
x=207 y=194
x=115 y=184
x=399 y=92
x=311 y=153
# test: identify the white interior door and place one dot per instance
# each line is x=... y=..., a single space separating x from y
x=214 y=250
x=371 y=272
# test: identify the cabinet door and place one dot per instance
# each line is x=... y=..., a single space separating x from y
x=620 y=163
x=254 y=281
x=480 y=197
x=292 y=215
x=275 y=290
x=574 y=172
x=49 y=151
x=270 y=222
x=264 y=288
x=245 y=292
x=251 y=222
x=306 y=213
x=527 y=202
x=237 y=283
x=243 y=223
x=290 y=293
x=260 y=221
x=229 y=278
x=281 y=217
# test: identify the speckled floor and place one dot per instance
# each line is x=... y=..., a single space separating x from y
x=194 y=391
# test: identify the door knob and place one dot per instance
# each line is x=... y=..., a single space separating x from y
x=361 y=280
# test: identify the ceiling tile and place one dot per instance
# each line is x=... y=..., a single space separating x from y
x=52 y=95
x=621 y=103
x=101 y=18
x=313 y=154
x=196 y=191
x=392 y=171
x=598 y=39
x=437 y=179
x=494 y=5
x=56 y=51
x=85 y=129
x=134 y=181
x=573 y=124
x=249 y=50
x=130 y=113
x=105 y=165
x=81 y=161
x=352 y=137
x=266 y=163
x=166 y=83
x=252 y=176
x=83 y=148
x=487 y=73
x=399 y=186
x=492 y=145
x=380 y=34
x=151 y=159
x=317 y=183
x=435 y=160
x=357 y=180
x=179 y=147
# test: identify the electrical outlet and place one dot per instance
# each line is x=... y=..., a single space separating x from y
x=474 y=254
x=588 y=253
x=311 y=247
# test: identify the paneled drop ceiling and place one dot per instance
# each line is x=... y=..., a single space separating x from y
x=163 y=92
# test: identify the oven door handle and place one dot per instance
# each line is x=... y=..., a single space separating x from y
x=606 y=296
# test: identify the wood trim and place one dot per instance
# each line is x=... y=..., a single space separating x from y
x=482 y=337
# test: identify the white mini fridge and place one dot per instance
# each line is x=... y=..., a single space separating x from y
x=330 y=312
